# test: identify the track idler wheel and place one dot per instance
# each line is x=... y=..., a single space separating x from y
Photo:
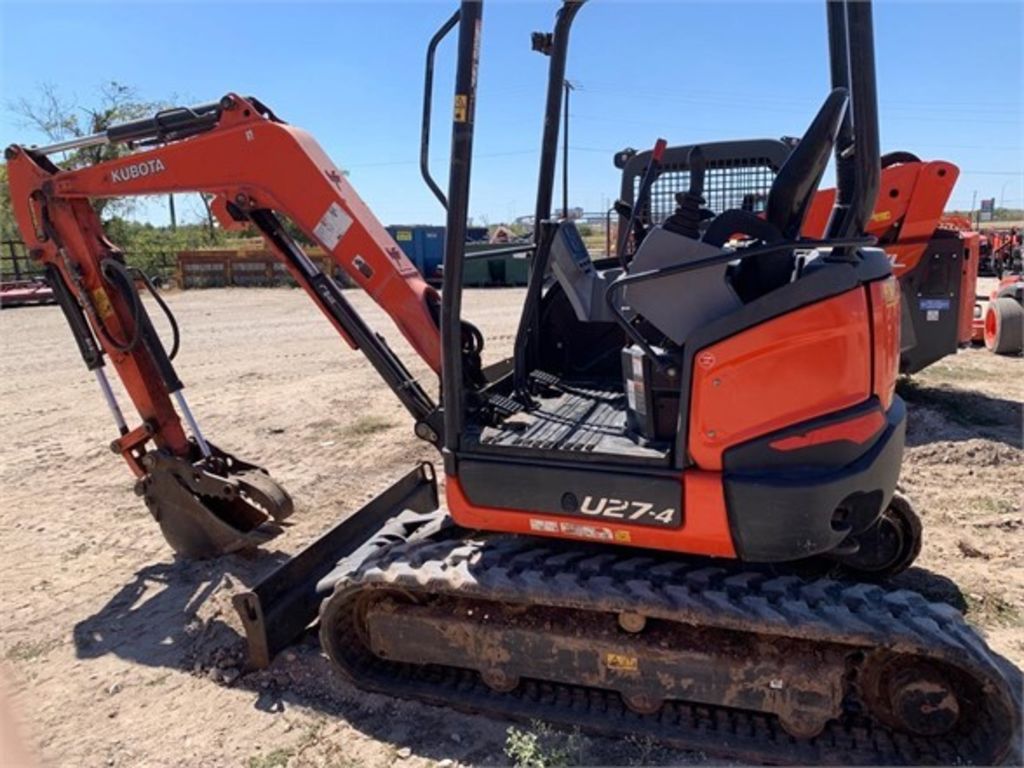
x=210 y=507
x=887 y=548
x=913 y=696
x=643 y=703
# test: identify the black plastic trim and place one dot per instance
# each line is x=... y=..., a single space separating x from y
x=757 y=455
x=781 y=517
x=561 y=490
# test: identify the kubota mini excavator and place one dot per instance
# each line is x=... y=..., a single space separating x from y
x=629 y=496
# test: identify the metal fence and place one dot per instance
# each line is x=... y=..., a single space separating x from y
x=17 y=265
x=218 y=268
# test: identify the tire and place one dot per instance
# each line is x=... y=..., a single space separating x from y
x=887 y=549
x=1004 y=326
x=895 y=158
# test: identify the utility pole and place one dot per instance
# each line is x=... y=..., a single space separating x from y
x=174 y=218
x=569 y=87
x=1002 y=193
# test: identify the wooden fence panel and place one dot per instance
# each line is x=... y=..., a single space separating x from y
x=237 y=268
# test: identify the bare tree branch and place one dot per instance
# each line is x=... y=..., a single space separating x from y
x=49 y=113
x=59 y=118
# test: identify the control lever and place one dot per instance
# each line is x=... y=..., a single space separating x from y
x=635 y=225
x=686 y=220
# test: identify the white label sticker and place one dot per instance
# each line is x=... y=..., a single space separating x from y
x=638 y=367
x=548 y=526
x=932 y=315
x=332 y=227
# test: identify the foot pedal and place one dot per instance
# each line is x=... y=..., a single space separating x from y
x=502 y=407
x=545 y=380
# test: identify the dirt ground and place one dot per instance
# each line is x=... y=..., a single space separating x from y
x=115 y=654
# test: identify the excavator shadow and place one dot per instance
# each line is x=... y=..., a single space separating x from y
x=942 y=413
x=178 y=615
x=302 y=678
x=173 y=613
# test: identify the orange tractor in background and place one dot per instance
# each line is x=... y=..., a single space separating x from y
x=1000 y=252
x=935 y=258
x=999 y=319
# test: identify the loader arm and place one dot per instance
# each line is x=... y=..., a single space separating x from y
x=259 y=169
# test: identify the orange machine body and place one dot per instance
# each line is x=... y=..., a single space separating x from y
x=846 y=350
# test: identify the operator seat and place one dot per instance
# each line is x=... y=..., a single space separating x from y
x=789 y=199
x=677 y=304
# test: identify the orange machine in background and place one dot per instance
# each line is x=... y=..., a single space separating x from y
x=934 y=257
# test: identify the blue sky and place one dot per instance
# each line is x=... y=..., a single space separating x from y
x=951 y=79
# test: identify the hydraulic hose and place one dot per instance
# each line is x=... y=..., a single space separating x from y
x=117 y=274
x=171 y=320
x=126 y=277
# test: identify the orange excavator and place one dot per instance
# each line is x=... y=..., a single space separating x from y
x=640 y=502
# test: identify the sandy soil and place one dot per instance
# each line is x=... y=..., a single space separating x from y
x=115 y=654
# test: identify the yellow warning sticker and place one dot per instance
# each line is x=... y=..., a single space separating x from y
x=621 y=662
x=461 y=107
x=102 y=303
x=403 y=235
x=882 y=216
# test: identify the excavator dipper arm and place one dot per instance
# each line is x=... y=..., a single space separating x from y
x=207 y=501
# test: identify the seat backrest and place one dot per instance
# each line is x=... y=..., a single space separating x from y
x=788 y=202
x=798 y=178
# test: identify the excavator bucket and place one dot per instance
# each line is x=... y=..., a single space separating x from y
x=286 y=602
x=212 y=507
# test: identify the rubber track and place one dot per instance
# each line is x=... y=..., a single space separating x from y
x=523 y=570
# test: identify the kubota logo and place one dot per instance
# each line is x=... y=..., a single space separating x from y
x=137 y=171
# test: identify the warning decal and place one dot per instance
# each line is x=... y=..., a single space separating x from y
x=332 y=227
x=586 y=531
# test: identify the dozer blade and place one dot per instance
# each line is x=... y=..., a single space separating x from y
x=286 y=602
x=212 y=506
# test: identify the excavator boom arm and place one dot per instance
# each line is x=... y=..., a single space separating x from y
x=259 y=169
